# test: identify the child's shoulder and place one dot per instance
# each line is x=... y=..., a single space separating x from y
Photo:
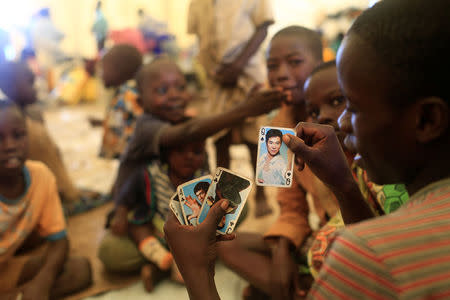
x=37 y=166
x=38 y=169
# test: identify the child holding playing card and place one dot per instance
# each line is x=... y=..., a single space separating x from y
x=324 y=104
x=143 y=204
x=287 y=235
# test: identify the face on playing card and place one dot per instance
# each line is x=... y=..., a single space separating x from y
x=192 y=195
x=233 y=187
x=275 y=161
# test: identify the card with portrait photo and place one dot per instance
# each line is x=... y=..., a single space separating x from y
x=192 y=195
x=275 y=162
x=233 y=187
x=175 y=206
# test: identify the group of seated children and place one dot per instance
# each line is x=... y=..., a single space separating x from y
x=380 y=114
x=393 y=128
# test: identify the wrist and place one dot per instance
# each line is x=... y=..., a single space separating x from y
x=346 y=186
x=201 y=284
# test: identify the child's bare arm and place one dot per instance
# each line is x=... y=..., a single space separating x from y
x=197 y=264
x=200 y=128
x=129 y=194
x=40 y=286
x=227 y=74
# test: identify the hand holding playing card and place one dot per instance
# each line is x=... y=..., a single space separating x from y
x=198 y=261
x=318 y=146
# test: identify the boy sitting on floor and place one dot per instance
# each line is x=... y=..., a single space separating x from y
x=29 y=203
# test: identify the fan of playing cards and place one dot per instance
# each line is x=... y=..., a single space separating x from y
x=274 y=167
x=193 y=199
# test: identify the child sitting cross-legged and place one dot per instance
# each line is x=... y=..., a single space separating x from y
x=143 y=205
x=30 y=206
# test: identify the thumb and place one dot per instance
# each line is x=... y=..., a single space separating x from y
x=216 y=213
x=297 y=145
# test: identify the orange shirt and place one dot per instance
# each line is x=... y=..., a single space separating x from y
x=39 y=208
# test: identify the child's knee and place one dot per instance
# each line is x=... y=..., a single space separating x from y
x=81 y=271
x=119 y=254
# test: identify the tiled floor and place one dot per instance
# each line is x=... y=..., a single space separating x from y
x=79 y=143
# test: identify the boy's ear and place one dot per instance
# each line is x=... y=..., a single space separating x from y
x=431 y=119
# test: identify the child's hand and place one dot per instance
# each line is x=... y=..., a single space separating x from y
x=194 y=248
x=294 y=96
x=119 y=223
x=318 y=146
x=227 y=74
x=284 y=272
x=261 y=102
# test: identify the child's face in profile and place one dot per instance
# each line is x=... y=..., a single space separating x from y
x=289 y=64
x=375 y=130
x=165 y=94
x=324 y=100
x=13 y=142
x=187 y=159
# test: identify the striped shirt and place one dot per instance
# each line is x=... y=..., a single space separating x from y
x=404 y=255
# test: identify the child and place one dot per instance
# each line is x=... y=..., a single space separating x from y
x=120 y=65
x=324 y=104
x=293 y=53
x=230 y=35
x=16 y=82
x=395 y=89
x=29 y=202
x=143 y=205
x=163 y=95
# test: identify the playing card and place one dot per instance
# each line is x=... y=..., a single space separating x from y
x=227 y=185
x=175 y=206
x=192 y=195
x=275 y=162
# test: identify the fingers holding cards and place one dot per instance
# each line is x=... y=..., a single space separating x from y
x=233 y=187
x=275 y=161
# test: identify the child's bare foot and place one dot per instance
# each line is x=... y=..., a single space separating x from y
x=151 y=275
x=176 y=275
x=147 y=272
x=262 y=208
x=252 y=293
